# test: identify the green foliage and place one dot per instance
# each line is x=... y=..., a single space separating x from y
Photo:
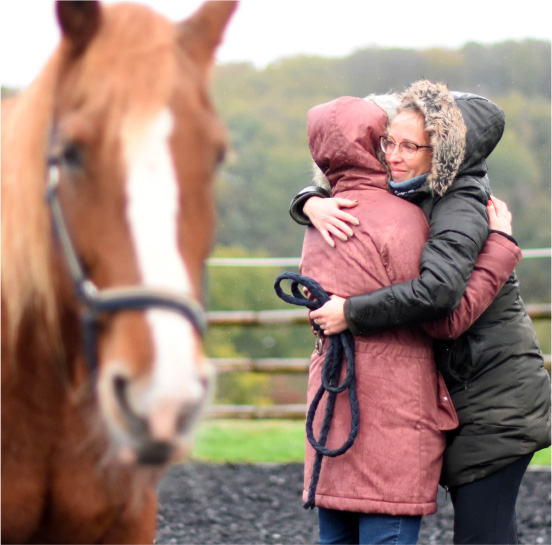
x=251 y=288
x=519 y=169
x=243 y=389
x=8 y=92
x=265 y=112
x=542 y=329
x=230 y=287
x=500 y=68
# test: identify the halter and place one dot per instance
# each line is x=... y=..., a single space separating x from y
x=95 y=301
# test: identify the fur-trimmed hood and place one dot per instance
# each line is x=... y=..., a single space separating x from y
x=464 y=129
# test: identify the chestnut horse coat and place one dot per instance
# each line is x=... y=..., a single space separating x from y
x=395 y=463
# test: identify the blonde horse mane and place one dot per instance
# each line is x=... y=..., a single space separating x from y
x=121 y=77
x=27 y=281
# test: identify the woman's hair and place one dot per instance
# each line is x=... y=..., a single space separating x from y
x=389 y=103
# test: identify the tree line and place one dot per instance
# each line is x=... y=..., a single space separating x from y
x=269 y=161
x=265 y=112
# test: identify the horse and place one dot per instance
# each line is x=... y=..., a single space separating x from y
x=108 y=162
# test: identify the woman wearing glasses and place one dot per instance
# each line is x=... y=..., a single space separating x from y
x=435 y=150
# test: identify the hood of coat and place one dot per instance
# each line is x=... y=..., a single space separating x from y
x=464 y=129
x=344 y=136
x=484 y=122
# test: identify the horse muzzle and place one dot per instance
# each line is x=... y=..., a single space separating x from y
x=159 y=432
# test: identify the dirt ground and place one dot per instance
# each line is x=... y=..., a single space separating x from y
x=204 y=504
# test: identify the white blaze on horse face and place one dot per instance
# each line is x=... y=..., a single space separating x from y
x=152 y=214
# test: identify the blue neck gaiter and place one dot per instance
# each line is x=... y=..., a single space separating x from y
x=404 y=188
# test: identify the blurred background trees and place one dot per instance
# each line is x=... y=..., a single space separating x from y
x=269 y=161
x=265 y=112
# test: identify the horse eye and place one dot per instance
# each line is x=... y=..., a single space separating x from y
x=72 y=156
x=221 y=155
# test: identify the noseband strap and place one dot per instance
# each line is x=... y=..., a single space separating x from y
x=95 y=301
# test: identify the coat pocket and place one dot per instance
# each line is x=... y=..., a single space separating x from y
x=446 y=414
x=454 y=360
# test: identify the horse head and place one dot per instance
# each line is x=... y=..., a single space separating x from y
x=133 y=147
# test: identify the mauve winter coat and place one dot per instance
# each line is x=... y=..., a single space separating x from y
x=395 y=463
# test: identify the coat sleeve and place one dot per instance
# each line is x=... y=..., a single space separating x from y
x=496 y=262
x=297 y=203
x=458 y=230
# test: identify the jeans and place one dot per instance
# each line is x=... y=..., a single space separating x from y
x=349 y=528
x=485 y=509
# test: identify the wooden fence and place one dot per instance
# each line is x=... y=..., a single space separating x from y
x=291 y=365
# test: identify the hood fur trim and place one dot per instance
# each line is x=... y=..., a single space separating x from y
x=445 y=125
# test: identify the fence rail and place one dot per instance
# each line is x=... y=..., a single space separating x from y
x=528 y=253
x=293 y=317
x=271 y=317
x=288 y=411
x=287 y=365
x=262 y=365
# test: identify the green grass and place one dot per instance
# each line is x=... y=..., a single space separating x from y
x=256 y=441
x=541 y=458
x=250 y=441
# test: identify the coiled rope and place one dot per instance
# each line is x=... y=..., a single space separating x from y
x=342 y=343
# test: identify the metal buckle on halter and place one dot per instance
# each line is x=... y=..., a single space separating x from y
x=319 y=344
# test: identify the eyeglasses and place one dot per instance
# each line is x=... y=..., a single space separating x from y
x=407 y=149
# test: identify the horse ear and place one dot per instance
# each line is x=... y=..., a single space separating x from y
x=201 y=34
x=78 y=21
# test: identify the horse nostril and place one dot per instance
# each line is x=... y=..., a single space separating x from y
x=137 y=425
x=119 y=385
x=185 y=419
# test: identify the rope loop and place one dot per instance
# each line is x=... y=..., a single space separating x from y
x=339 y=345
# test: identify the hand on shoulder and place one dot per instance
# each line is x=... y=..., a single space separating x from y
x=329 y=219
x=500 y=218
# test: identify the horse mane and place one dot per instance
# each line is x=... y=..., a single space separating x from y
x=123 y=76
x=26 y=271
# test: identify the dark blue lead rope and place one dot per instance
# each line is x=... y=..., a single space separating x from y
x=340 y=344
